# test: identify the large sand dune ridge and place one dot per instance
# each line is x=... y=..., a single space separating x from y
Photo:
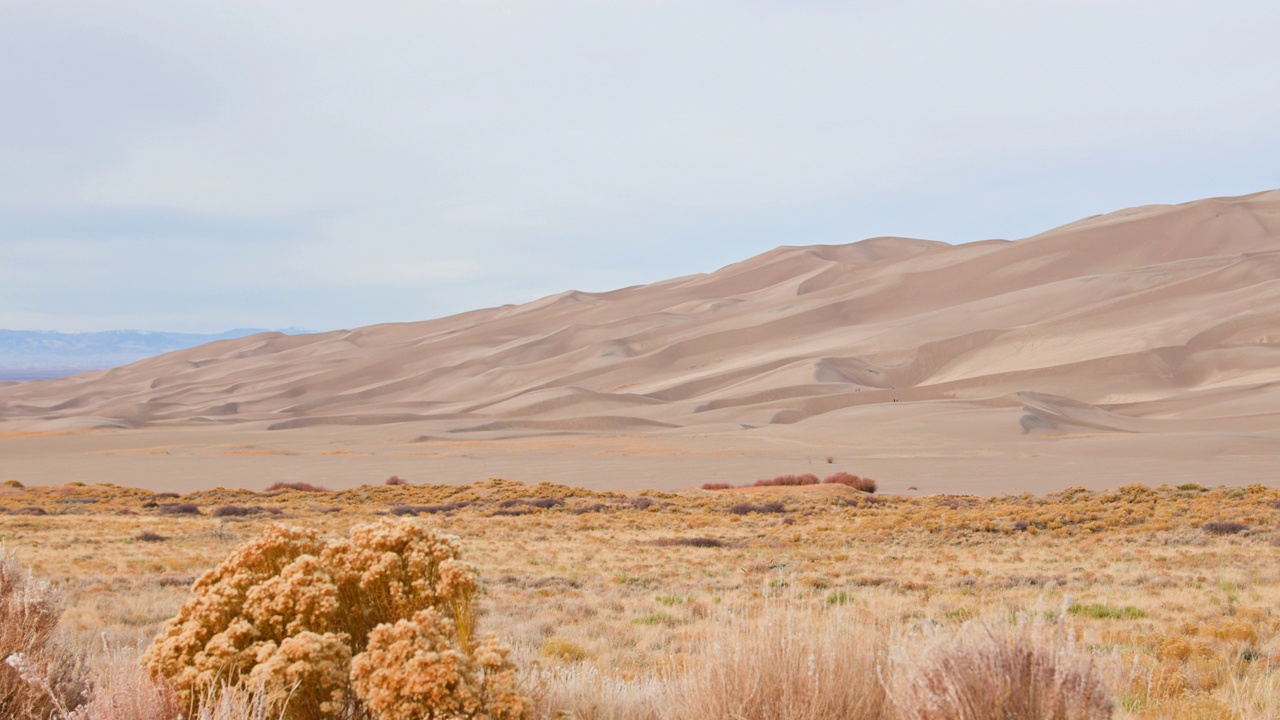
x=1159 y=320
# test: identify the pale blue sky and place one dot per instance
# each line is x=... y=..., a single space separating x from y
x=197 y=166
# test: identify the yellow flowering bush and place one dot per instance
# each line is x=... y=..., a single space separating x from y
x=322 y=627
x=415 y=669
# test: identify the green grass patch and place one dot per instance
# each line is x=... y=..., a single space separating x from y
x=1098 y=611
x=658 y=618
x=839 y=597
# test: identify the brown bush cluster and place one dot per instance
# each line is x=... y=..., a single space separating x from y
x=702 y=542
x=428 y=509
x=984 y=675
x=787 y=481
x=866 y=485
x=311 y=622
x=762 y=508
x=545 y=503
x=1224 y=528
x=225 y=511
x=299 y=486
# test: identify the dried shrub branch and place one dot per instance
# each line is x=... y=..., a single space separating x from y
x=37 y=678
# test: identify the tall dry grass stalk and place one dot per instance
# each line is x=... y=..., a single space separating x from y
x=1256 y=696
x=122 y=688
x=237 y=702
x=790 y=660
x=796 y=661
x=38 y=678
x=585 y=693
x=998 y=672
x=785 y=662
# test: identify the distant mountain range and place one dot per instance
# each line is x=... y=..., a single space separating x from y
x=40 y=355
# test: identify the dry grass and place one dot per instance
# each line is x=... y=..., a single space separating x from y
x=122 y=688
x=986 y=673
x=224 y=511
x=702 y=542
x=38 y=676
x=606 y=611
x=745 y=508
x=414 y=510
x=784 y=662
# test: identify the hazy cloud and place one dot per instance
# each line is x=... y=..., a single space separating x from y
x=199 y=166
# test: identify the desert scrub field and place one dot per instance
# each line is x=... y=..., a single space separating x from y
x=1138 y=602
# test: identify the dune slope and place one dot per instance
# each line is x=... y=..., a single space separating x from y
x=1145 y=320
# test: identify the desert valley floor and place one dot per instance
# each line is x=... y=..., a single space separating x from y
x=908 y=449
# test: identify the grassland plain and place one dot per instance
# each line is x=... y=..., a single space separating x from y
x=611 y=600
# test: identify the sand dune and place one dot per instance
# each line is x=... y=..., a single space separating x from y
x=1141 y=306
x=1152 y=321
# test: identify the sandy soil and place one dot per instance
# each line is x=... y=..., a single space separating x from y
x=907 y=449
x=1138 y=346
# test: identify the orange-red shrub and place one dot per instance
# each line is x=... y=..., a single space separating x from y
x=853 y=481
x=788 y=481
x=299 y=486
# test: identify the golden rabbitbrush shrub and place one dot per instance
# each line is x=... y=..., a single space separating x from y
x=382 y=619
x=414 y=670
